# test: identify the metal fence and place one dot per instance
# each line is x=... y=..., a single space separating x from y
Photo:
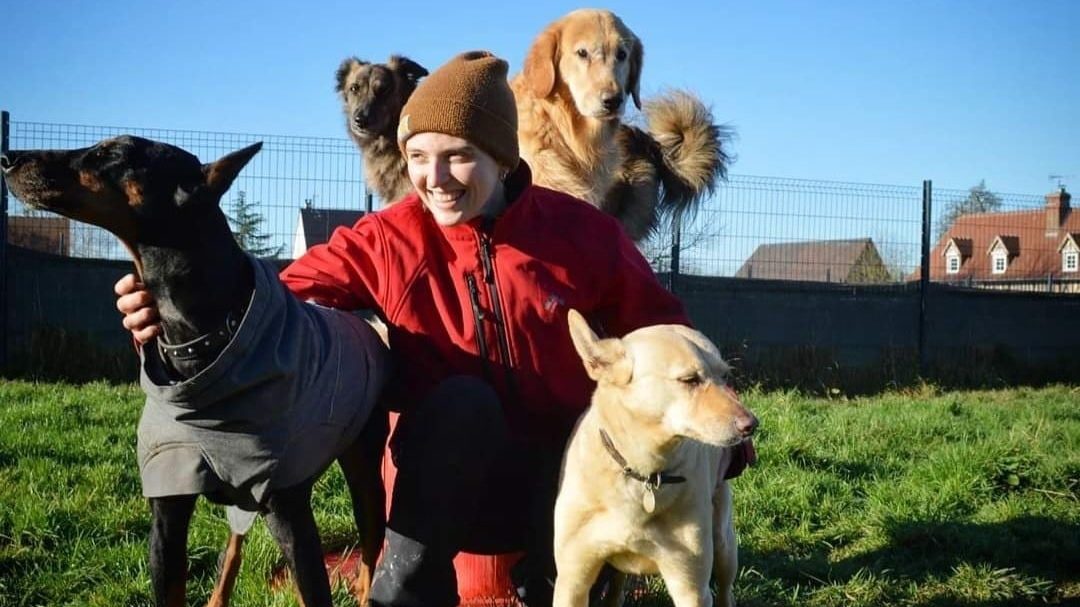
x=289 y=173
x=773 y=269
x=754 y=227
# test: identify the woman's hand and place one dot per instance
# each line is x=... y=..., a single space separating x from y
x=139 y=309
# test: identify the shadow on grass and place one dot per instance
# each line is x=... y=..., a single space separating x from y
x=1025 y=550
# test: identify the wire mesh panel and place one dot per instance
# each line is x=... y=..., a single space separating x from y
x=788 y=229
x=287 y=175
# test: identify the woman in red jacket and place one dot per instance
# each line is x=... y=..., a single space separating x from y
x=474 y=273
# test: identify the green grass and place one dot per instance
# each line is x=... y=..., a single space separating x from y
x=916 y=498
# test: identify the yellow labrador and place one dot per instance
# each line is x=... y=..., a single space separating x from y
x=642 y=484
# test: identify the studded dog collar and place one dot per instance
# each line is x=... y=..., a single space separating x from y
x=204 y=347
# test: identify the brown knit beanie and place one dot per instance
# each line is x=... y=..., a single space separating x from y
x=468 y=97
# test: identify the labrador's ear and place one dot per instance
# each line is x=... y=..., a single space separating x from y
x=541 y=64
x=606 y=360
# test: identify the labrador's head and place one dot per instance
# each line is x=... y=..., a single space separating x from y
x=670 y=378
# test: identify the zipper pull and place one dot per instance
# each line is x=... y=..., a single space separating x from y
x=474 y=297
x=485 y=258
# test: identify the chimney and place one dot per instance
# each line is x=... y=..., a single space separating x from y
x=1057 y=207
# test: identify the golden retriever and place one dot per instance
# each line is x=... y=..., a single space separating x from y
x=577 y=78
x=642 y=484
x=571 y=92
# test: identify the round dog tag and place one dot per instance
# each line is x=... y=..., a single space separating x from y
x=648 y=500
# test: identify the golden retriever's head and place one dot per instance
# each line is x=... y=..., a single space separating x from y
x=670 y=378
x=592 y=57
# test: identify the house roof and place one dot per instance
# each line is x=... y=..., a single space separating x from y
x=816 y=260
x=963 y=246
x=1011 y=244
x=1070 y=238
x=318 y=224
x=46 y=234
x=1034 y=250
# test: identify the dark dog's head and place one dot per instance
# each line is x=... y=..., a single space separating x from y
x=138 y=189
x=374 y=93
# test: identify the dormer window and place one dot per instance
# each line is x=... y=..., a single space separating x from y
x=952 y=264
x=956 y=251
x=1070 y=253
x=1001 y=251
x=1000 y=262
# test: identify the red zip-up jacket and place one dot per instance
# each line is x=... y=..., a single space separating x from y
x=489 y=298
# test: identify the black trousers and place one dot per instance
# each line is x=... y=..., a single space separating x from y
x=463 y=484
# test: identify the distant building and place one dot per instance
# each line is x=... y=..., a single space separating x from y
x=316 y=225
x=843 y=261
x=1034 y=250
x=46 y=234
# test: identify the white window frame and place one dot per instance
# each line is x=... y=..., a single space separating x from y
x=952 y=264
x=1070 y=261
x=999 y=262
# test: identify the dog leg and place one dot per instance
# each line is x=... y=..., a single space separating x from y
x=361 y=464
x=292 y=525
x=577 y=570
x=170 y=517
x=228 y=570
x=687 y=578
x=725 y=546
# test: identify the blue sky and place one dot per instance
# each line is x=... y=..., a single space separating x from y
x=870 y=91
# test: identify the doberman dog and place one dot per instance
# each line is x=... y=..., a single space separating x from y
x=163 y=204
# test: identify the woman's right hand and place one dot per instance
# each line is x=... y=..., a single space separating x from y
x=139 y=309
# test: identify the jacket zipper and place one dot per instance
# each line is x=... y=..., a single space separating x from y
x=478 y=321
x=487 y=259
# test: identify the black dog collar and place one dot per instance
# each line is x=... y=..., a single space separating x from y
x=206 y=346
x=652 y=481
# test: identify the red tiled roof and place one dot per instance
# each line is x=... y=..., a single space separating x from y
x=1075 y=238
x=1034 y=251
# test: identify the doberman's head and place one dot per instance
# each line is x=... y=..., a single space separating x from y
x=374 y=93
x=143 y=191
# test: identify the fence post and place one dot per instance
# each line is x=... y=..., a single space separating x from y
x=676 y=247
x=5 y=127
x=369 y=202
x=924 y=277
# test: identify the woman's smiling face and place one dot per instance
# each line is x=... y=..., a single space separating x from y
x=456 y=180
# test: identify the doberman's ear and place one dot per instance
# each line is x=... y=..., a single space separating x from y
x=343 y=72
x=412 y=70
x=219 y=175
x=540 y=64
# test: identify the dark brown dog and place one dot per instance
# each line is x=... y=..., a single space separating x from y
x=164 y=205
x=372 y=95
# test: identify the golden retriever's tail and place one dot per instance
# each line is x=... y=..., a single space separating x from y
x=694 y=153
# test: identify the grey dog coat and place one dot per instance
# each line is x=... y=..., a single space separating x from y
x=292 y=388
